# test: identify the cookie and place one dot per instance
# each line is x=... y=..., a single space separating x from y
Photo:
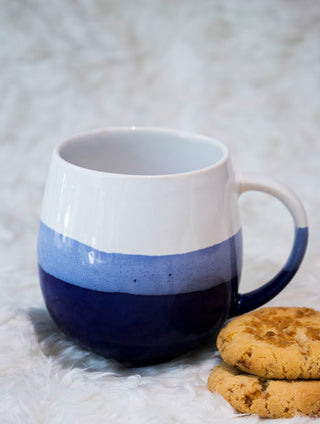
x=268 y=398
x=281 y=343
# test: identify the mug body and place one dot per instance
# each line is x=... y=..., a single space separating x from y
x=139 y=246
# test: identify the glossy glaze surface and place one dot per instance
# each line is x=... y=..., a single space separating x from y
x=137 y=329
x=84 y=266
x=143 y=214
x=140 y=247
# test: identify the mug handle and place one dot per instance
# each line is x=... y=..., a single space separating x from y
x=255 y=298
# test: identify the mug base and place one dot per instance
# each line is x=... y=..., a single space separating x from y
x=136 y=330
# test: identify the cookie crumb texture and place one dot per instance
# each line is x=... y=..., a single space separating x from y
x=278 y=342
x=267 y=398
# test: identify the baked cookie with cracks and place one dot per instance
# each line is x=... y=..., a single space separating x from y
x=274 y=342
x=267 y=398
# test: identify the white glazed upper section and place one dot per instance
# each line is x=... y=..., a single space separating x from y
x=173 y=193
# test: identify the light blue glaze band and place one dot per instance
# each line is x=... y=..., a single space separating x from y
x=83 y=266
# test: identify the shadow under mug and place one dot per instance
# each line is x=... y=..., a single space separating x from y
x=140 y=246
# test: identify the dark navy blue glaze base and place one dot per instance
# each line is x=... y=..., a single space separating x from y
x=137 y=329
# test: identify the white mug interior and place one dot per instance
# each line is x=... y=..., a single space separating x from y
x=142 y=151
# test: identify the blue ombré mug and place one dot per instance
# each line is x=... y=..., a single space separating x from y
x=140 y=247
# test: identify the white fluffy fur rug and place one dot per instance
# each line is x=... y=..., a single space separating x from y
x=247 y=72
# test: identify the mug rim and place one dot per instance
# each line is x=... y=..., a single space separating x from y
x=127 y=129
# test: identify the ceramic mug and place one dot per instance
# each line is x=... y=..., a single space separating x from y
x=140 y=246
